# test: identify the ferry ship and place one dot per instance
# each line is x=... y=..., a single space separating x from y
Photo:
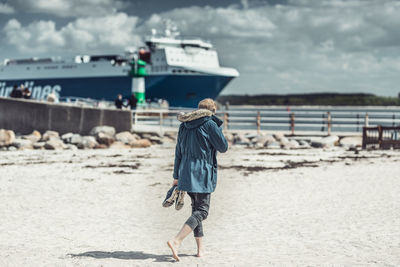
x=181 y=71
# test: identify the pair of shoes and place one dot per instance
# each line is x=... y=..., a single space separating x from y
x=180 y=200
x=172 y=194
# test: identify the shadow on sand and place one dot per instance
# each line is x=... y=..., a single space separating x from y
x=128 y=255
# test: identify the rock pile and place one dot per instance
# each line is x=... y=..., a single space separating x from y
x=99 y=137
x=102 y=137
x=279 y=140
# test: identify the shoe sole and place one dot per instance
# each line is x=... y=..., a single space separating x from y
x=170 y=201
x=180 y=200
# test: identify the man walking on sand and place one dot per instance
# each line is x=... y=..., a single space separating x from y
x=195 y=170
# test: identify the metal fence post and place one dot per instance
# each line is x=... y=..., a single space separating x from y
x=329 y=122
x=366 y=120
x=364 y=136
x=136 y=120
x=292 y=122
x=393 y=119
x=226 y=121
x=258 y=122
x=161 y=123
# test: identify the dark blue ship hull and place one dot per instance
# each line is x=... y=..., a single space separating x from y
x=178 y=90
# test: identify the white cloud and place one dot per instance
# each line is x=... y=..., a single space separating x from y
x=6 y=9
x=304 y=46
x=70 y=8
x=84 y=35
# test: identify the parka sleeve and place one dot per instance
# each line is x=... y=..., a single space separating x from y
x=217 y=138
x=178 y=154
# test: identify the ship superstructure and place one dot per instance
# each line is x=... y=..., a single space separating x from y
x=182 y=71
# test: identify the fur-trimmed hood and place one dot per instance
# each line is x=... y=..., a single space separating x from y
x=196 y=118
x=194 y=115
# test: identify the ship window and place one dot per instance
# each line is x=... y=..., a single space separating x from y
x=27 y=68
x=94 y=65
x=38 y=68
x=179 y=71
x=185 y=71
x=174 y=71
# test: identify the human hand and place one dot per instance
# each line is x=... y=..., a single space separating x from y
x=175 y=182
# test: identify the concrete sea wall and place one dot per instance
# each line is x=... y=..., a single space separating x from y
x=24 y=116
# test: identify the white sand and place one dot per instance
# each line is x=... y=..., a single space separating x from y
x=55 y=205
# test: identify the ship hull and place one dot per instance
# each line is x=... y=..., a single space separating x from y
x=178 y=90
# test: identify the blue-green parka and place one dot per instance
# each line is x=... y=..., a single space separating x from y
x=199 y=139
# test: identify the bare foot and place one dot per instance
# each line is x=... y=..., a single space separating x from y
x=174 y=245
x=200 y=250
x=200 y=253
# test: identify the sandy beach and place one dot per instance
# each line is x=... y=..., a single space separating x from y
x=307 y=207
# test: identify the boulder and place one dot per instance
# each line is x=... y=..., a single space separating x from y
x=273 y=145
x=36 y=133
x=34 y=137
x=156 y=140
x=88 y=142
x=250 y=136
x=263 y=139
x=75 y=139
x=268 y=139
x=48 y=135
x=101 y=146
x=166 y=139
x=136 y=136
x=7 y=137
x=229 y=137
x=324 y=142
x=71 y=147
x=279 y=136
x=292 y=144
x=125 y=137
x=67 y=137
x=304 y=144
x=119 y=145
x=108 y=130
x=12 y=148
x=171 y=135
x=103 y=138
x=240 y=139
x=54 y=144
x=147 y=135
x=258 y=145
x=142 y=143
x=20 y=143
x=351 y=141
x=284 y=142
x=39 y=145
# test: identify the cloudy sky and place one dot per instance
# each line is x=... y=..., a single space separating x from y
x=278 y=46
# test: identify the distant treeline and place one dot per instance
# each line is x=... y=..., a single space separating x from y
x=311 y=99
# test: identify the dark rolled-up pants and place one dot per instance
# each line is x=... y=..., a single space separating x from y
x=200 y=207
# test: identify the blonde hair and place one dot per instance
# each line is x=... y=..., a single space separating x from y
x=209 y=104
